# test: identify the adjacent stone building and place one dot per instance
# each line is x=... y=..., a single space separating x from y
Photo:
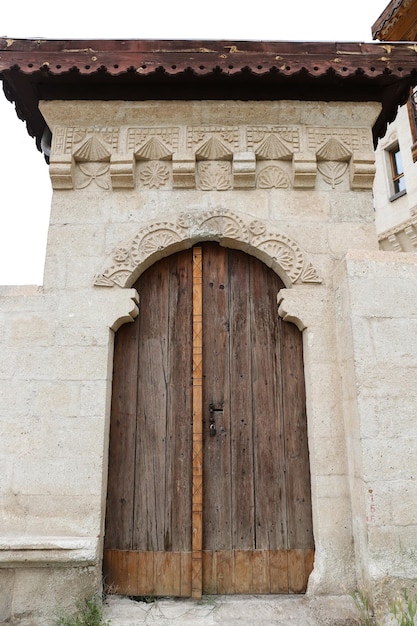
x=395 y=191
x=266 y=151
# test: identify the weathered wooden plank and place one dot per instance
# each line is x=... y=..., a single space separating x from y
x=146 y=577
x=185 y=573
x=178 y=452
x=241 y=403
x=197 y=450
x=254 y=571
x=167 y=569
x=121 y=472
x=300 y=525
x=209 y=573
x=269 y=450
x=278 y=566
x=217 y=453
x=131 y=572
x=225 y=571
x=151 y=410
x=243 y=571
x=260 y=571
x=309 y=562
x=120 y=571
x=297 y=576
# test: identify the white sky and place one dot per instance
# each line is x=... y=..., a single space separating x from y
x=25 y=191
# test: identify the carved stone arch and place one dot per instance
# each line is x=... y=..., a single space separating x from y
x=260 y=238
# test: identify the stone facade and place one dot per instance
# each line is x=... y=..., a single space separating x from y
x=288 y=182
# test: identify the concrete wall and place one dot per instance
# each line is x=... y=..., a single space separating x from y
x=288 y=182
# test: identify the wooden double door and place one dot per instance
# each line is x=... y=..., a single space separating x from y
x=209 y=484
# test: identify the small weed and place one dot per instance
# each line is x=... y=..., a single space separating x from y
x=362 y=604
x=404 y=609
x=90 y=613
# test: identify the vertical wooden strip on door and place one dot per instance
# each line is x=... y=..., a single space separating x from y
x=197 y=448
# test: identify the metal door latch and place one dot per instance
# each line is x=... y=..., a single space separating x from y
x=213 y=411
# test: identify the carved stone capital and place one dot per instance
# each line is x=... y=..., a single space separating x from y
x=244 y=170
x=61 y=171
x=304 y=170
x=122 y=171
x=183 y=171
x=362 y=171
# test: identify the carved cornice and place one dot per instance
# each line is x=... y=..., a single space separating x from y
x=402 y=237
x=258 y=237
x=211 y=158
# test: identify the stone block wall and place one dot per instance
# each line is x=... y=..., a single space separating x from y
x=288 y=182
x=376 y=305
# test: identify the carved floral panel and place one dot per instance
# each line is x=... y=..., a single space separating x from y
x=258 y=237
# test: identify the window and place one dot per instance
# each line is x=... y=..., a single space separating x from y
x=397 y=172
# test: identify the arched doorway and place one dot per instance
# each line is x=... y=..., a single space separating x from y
x=255 y=510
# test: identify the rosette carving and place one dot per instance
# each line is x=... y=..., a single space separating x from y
x=220 y=225
x=214 y=175
x=273 y=177
x=153 y=239
x=284 y=251
x=154 y=175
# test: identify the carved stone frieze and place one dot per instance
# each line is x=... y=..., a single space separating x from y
x=272 y=177
x=258 y=237
x=340 y=150
x=354 y=139
x=244 y=170
x=362 y=170
x=221 y=225
x=214 y=175
x=333 y=150
x=210 y=158
x=67 y=140
x=211 y=142
x=284 y=251
x=273 y=142
x=401 y=238
x=154 y=174
x=333 y=172
x=214 y=150
x=304 y=170
x=122 y=171
x=94 y=172
x=332 y=161
x=81 y=156
x=153 y=150
x=152 y=143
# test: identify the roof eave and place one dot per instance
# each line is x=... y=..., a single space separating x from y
x=34 y=70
